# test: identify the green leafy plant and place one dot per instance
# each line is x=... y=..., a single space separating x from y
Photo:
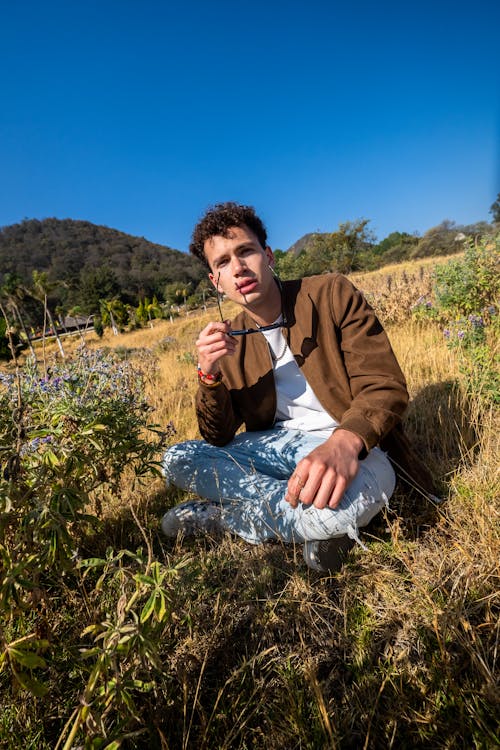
x=475 y=340
x=65 y=436
x=466 y=292
x=470 y=284
x=123 y=659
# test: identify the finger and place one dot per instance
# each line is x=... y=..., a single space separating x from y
x=292 y=497
x=208 y=337
x=215 y=347
x=321 y=479
x=292 y=501
x=325 y=490
x=295 y=485
x=338 y=492
x=217 y=325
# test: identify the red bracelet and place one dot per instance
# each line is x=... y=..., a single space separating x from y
x=208 y=376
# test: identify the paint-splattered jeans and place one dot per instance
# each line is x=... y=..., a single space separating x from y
x=249 y=477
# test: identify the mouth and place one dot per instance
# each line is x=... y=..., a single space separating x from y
x=246 y=286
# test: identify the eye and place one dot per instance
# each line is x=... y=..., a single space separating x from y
x=244 y=252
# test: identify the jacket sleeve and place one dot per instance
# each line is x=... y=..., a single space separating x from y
x=378 y=388
x=217 y=419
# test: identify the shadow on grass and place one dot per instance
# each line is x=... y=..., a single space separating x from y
x=441 y=425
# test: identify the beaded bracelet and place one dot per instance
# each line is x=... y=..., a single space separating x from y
x=210 y=385
x=208 y=376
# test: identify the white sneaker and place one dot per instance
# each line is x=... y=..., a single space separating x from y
x=193 y=517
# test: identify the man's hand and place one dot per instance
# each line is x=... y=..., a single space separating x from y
x=214 y=343
x=322 y=477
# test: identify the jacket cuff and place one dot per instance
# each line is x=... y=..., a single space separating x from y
x=364 y=430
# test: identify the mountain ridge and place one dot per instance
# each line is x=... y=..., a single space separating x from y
x=72 y=252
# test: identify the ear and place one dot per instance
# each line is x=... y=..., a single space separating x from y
x=212 y=279
x=270 y=256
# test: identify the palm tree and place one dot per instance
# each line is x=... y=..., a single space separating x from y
x=150 y=310
x=40 y=291
x=12 y=292
x=114 y=313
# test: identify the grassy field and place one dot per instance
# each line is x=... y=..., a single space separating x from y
x=398 y=650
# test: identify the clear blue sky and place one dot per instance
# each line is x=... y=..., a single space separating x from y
x=138 y=115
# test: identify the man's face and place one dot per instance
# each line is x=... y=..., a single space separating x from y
x=240 y=266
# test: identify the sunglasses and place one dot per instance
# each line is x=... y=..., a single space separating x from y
x=247 y=331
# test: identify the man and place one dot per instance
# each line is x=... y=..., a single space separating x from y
x=308 y=370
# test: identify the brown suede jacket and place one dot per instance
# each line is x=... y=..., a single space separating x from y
x=346 y=358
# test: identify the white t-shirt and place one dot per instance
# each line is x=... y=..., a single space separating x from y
x=297 y=405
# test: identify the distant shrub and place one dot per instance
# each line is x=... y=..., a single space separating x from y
x=186 y=358
x=475 y=339
x=98 y=326
x=8 y=339
x=166 y=344
x=5 y=352
x=469 y=284
x=465 y=301
x=128 y=353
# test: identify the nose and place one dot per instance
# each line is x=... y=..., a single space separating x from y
x=237 y=265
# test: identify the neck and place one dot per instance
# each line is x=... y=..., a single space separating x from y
x=265 y=312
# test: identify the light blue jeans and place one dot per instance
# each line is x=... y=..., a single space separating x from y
x=249 y=478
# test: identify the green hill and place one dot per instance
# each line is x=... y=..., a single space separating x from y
x=88 y=262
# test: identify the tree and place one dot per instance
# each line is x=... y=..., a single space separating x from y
x=396 y=247
x=113 y=313
x=13 y=292
x=205 y=290
x=10 y=343
x=336 y=251
x=495 y=210
x=176 y=293
x=5 y=352
x=443 y=239
x=148 y=310
x=285 y=264
x=40 y=290
x=97 y=284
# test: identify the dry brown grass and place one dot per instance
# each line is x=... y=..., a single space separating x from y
x=407 y=266
x=398 y=650
x=394 y=294
x=394 y=290
x=412 y=631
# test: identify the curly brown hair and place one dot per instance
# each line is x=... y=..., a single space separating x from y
x=219 y=219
